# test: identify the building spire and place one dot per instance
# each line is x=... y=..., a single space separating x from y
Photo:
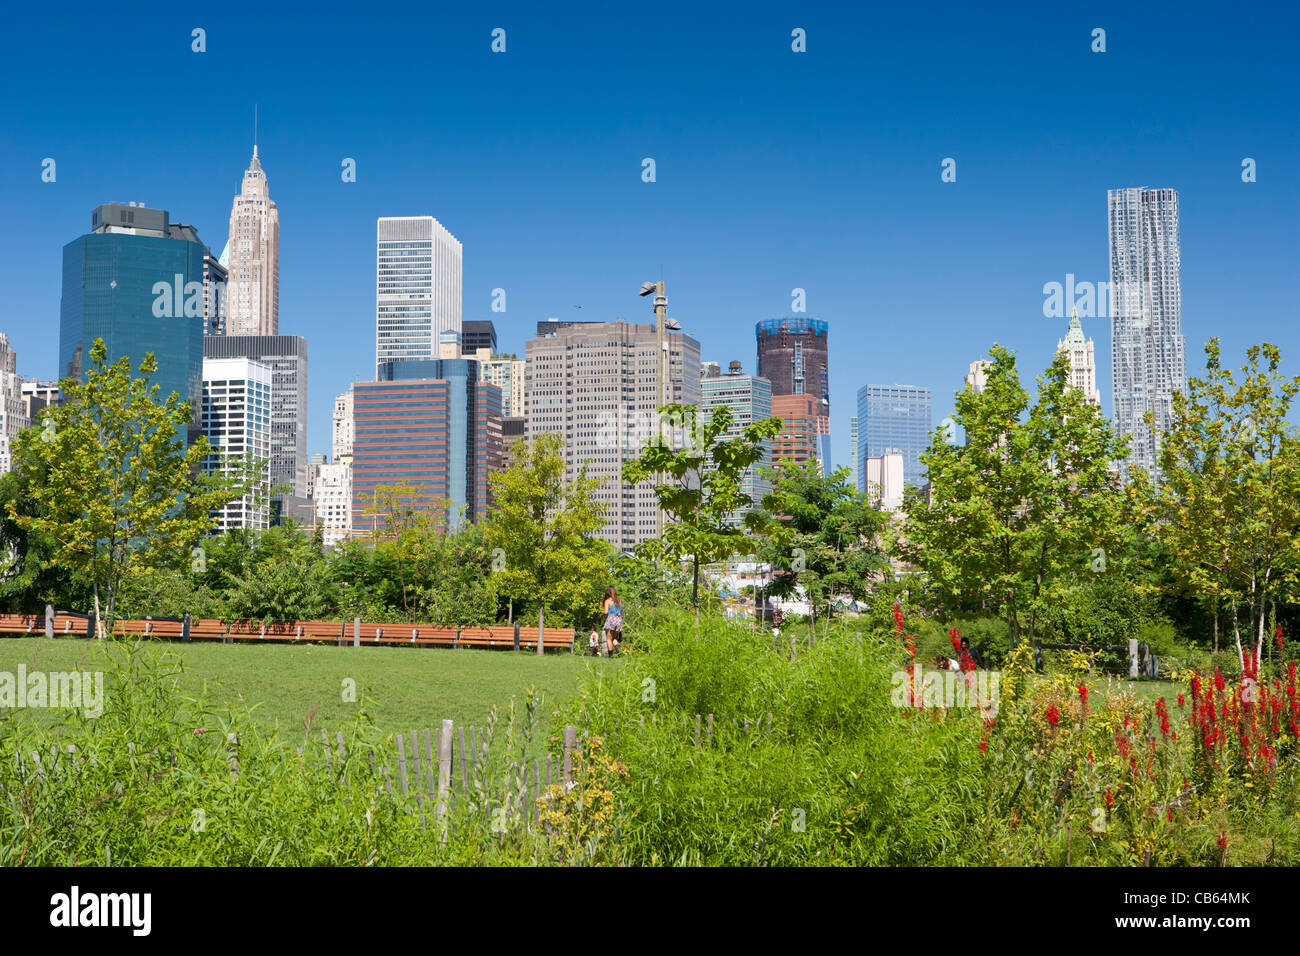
x=255 y=131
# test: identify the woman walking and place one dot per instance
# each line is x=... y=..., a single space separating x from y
x=613 y=609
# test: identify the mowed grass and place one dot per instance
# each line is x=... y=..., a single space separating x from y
x=403 y=689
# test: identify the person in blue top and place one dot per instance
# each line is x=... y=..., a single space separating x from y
x=613 y=609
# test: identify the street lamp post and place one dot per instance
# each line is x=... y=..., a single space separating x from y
x=661 y=312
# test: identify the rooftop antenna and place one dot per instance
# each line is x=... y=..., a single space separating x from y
x=254 y=129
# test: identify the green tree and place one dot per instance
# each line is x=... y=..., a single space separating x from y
x=832 y=542
x=1029 y=497
x=113 y=483
x=1228 y=505
x=542 y=530
x=703 y=494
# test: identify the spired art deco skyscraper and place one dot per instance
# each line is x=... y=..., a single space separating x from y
x=1146 y=337
x=1083 y=361
x=253 y=258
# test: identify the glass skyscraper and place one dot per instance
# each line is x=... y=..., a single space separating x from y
x=417 y=287
x=1146 y=336
x=136 y=281
x=894 y=418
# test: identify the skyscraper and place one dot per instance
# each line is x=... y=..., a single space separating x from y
x=1083 y=361
x=793 y=355
x=136 y=281
x=286 y=355
x=478 y=334
x=253 y=267
x=13 y=410
x=894 y=418
x=215 y=277
x=506 y=374
x=853 y=452
x=236 y=421
x=430 y=423
x=1148 y=363
x=978 y=376
x=593 y=385
x=750 y=399
x=417 y=287
x=799 y=440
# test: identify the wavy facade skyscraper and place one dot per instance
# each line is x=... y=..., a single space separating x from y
x=1148 y=362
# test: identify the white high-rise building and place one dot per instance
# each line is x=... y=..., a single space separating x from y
x=13 y=410
x=417 y=287
x=1148 y=363
x=253 y=258
x=333 y=501
x=884 y=480
x=236 y=421
x=1083 y=361
x=345 y=429
x=506 y=374
x=750 y=399
x=978 y=376
x=593 y=385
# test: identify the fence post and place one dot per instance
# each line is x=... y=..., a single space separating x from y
x=570 y=743
x=49 y=621
x=444 y=777
x=1133 y=657
x=516 y=635
x=573 y=642
x=356 y=632
x=185 y=628
x=90 y=625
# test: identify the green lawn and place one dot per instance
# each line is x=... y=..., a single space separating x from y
x=406 y=688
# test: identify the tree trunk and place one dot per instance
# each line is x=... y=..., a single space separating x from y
x=99 y=622
x=1216 y=626
x=541 y=625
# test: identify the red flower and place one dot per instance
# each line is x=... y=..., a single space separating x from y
x=1053 y=715
x=1110 y=798
x=1222 y=841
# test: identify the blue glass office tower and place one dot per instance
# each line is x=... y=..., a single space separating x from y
x=894 y=418
x=136 y=281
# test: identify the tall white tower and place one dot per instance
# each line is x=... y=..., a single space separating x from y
x=417 y=287
x=253 y=264
x=1083 y=361
x=1146 y=336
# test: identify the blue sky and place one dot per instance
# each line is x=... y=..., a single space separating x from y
x=775 y=170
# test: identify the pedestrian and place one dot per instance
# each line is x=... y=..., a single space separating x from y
x=613 y=609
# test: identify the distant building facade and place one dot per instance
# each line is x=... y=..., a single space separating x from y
x=894 y=418
x=430 y=423
x=1083 y=361
x=13 y=410
x=136 y=281
x=253 y=266
x=750 y=399
x=286 y=355
x=799 y=441
x=236 y=421
x=593 y=385
x=417 y=287
x=793 y=355
x=1148 y=361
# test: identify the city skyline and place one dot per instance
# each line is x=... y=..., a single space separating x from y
x=566 y=219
